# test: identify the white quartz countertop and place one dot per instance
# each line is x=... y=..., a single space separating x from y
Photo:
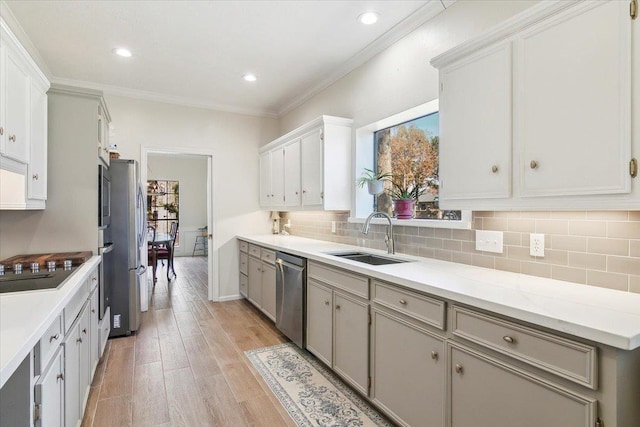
x=601 y=315
x=25 y=316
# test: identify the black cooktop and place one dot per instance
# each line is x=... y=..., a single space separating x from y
x=29 y=281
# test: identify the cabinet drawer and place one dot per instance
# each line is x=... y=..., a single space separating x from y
x=244 y=246
x=358 y=285
x=74 y=306
x=49 y=343
x=254 y=251
x=572 y=360
x=244 y=263
x=425 y=309
x=244 y=285
x=268 y=256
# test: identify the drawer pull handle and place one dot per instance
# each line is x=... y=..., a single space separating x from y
x=54 y=337
x=458 y=368
x=434 y=355
x=403 y=302
x=93 y=279
x=509 y=339
x=59 y=377
x=326 y=302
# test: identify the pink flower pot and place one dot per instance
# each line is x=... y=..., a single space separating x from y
x=404 y=208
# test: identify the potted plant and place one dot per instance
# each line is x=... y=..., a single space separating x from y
x=373 y=180
x=405 y=191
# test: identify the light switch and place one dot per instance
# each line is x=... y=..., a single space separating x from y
x=489 y=241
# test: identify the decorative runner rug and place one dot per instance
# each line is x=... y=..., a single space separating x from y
x=312 y=394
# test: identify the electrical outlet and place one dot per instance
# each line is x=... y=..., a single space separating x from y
x=489 y=241
x=536 y=244
x=333 y=226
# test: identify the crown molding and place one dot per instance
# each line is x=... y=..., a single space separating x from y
x=164 y=98
x=12 y=23
x=397 y=32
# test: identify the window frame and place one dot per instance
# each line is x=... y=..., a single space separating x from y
x=362 y=201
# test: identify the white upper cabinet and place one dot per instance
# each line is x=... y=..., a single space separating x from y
x=305 y=179
x=537 y=113
x=476 y=117
x=23 y=126
x=292 y=191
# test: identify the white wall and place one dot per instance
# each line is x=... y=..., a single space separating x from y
x=401 y=77
x=191 y=172
x=234 y=139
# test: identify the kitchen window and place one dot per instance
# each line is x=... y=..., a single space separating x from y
x=391 y=144
x=163 y=205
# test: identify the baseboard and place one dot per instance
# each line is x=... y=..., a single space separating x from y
x=230 y=298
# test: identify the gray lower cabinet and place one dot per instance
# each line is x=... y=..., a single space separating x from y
x=488 y=392
x=49 y=393
x=320 y=321
x=269 y=290
x=351 y=342
x=77 y=366
x=408 y=370
x=255 y=281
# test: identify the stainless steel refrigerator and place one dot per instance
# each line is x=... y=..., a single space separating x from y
x=129 y=236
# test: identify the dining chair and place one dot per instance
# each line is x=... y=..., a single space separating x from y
x=151 y=250
x=167 y=252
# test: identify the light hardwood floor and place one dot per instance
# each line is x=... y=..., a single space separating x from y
x=186 y=365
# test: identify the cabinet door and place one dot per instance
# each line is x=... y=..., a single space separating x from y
x=292 y=196
x=49 y=393
x=408 y=368
x=84 y=365
x=102 y=136
x=269 y=290
x=573 y=104
x=94 y=328
x=319 y=321
x=486 y=392
x=475 y=126
x=277 y=177
x=255 y=281
x=351 y=341
x=16 y=88
x=265 y=179
x=311 y=164
x=37 y=170
x=71 y=345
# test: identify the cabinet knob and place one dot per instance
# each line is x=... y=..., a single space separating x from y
x=458 y=368
x=12 y=138
x=79 y=340
x=296 y=193
x=494 y=169
x=59 y=377
x=337 y=307
x=93 y=310
x=326 y=302
x=533 y=164
x=403 y=302
x=35 y=176
x=84 y=331
x=54 y=337
x=509 y=339
x=434 y=355
x=1 y=131
x=304 y=191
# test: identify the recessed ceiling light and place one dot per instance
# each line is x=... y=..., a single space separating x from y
x=249 y=77
x=121 y=51
x=368 y=18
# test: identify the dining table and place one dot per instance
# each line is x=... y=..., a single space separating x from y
x=161 y=239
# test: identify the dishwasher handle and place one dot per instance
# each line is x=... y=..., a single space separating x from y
x=282 y=263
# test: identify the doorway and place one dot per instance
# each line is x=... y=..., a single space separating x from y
x=189 y=201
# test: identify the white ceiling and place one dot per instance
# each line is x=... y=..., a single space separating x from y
x=195 y=52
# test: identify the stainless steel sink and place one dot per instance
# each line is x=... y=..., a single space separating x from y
x=369 y=258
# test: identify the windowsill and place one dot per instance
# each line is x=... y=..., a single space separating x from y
x=464 y=224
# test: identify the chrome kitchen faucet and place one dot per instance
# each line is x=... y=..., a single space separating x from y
x=388 y=239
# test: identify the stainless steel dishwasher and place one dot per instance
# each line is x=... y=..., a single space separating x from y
x=291 y=288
